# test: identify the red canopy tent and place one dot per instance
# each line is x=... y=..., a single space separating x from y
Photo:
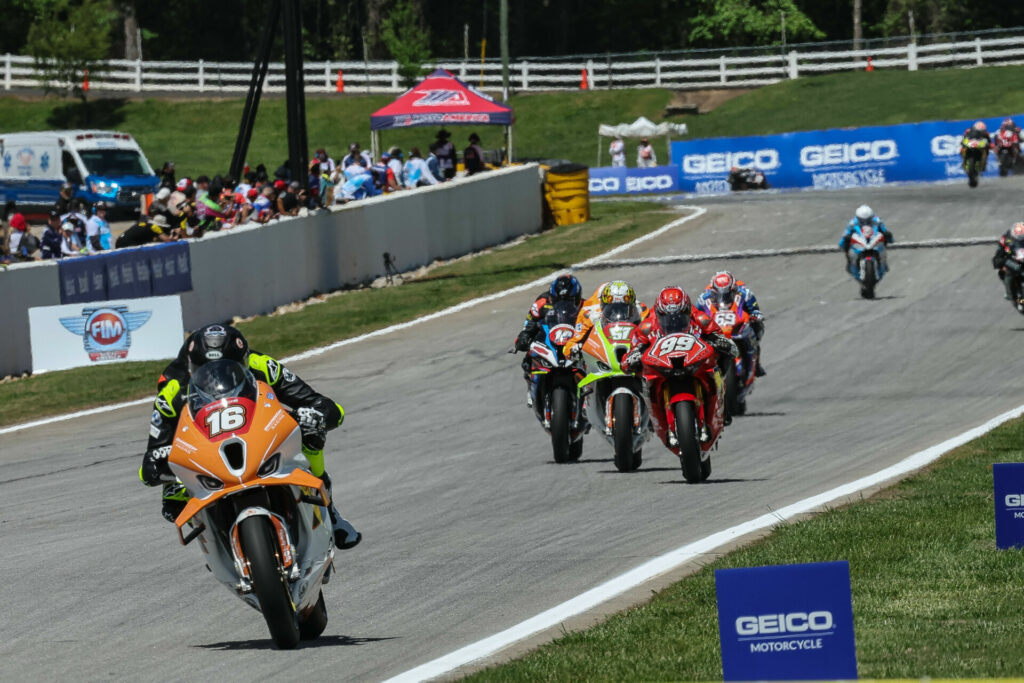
x=441 y=99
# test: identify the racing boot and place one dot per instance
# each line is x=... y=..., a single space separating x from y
x=760 y=370
x=174 y=500
x=345 y=535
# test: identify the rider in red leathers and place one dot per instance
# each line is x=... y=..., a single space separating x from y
x=674 y=313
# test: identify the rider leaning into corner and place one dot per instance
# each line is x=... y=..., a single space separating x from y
x=1007 y=243
x=563 y=288
x=315 y=413
x=722 y=292
x=979 y=131
x=673 y=313
x=863 y=218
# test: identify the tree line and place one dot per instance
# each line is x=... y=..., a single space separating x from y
x=407 y=30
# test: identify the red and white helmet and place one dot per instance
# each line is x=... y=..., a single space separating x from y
x=1017 y=230
x=673 y=310
x=723 y=284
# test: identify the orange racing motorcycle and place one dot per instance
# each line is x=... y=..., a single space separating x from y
x=739 y=378
x=257 y=511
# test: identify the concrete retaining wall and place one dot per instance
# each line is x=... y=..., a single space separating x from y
x=253 y=270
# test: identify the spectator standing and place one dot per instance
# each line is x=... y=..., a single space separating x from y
x=433 y=163
x=155 y=229
x=15 y=227
x=63 y=204
x=77 y=217
x=327 y=164
x=618 y=151
x=167 y=175
x=52 y=236
x=416 y=171
x=159 y=204
x=645 y=157
x=446 y=154
x=98 y=229
x=354 y=152
x=473 y=155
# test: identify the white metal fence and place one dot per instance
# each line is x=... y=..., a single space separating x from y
x=622 y=71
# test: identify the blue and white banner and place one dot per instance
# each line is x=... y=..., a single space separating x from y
x=77 y=335
x=1008 y=483
x=788 y=622
x=126 y=273
x=607 y=180
x=834 y=158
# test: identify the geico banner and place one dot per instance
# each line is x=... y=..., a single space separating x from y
x=76 y=335
x=788 y=622
x=1008 y=484
x=622 y=180
x=835 y=158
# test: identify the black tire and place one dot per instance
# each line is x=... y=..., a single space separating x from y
x=972 y=173
x=260 y=549
x=689 y=446
x=315 y=622
x=732 y=391
x=622 y=432
x=867 y=285
x=561 y=415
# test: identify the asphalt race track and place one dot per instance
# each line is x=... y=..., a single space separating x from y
x=469 y=526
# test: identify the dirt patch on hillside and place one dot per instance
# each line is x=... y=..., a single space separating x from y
x=704 y=100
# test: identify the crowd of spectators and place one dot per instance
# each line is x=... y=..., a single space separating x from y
x=187 y=209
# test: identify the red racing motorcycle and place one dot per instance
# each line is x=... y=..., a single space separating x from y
x=687 y=399
x=1007 y=144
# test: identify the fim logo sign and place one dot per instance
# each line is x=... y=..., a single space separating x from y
x=789 y=622
x=106 y=332
x=1008 y=482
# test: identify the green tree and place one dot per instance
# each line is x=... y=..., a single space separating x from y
x=749 y=22
x=68 y=38
x=407 y=39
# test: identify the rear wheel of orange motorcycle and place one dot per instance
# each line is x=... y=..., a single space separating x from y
x=268 y=583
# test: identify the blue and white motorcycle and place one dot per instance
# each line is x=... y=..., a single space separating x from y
x=556 y=401
x=867 y=262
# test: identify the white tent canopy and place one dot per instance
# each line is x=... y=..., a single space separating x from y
x=643 y=127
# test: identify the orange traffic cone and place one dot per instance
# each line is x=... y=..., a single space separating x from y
x=340 y=85
x=870 y=66
x=583 y=82
x=85 y=82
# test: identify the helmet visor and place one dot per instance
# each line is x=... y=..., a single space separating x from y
x=219 y=379
x=615 y=312
x=675 y=322
x=562 y=312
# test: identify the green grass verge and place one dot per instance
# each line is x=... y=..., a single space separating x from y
x=353 y=312
x=932 y=596
x=199 y=135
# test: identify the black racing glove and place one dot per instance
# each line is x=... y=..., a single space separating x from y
x=724 y=345
x=631 y=360
x=889 y=239
x=523 y=340
x=155 y=470
x=844 y=244
x=313 y=425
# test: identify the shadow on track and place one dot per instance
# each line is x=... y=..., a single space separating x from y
x=581 y=461
x=267 y=644
x=641 y=470
x=712 y=481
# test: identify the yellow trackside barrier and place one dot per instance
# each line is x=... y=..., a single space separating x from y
x=567 y=194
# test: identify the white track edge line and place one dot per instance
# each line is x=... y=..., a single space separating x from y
x=673 y=559
x=697 y=212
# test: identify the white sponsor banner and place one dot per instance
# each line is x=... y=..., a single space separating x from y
x=98 y=332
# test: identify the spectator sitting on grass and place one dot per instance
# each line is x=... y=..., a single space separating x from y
x=155 y=229
x=263 y=205
x=288 y=201
x=52 y=236
x=416 y=171
x=68 y=245
x=395 y=164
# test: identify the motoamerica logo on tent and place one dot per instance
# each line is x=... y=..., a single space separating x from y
x=106 y=332
x=442 y=98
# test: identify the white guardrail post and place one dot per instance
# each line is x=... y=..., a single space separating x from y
x=394 y=75
x=977 y=51
x=524 y=68
x=202 y=76
x=657 y=71
x=138 y=75
x=912 y=57
x=721 y=68
x=590 y=74
x=794 y=71
x=7 y=72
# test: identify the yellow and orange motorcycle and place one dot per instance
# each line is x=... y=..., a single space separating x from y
x=257 y=511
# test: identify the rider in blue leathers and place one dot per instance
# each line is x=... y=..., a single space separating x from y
x=722 y=291
x=863 y=218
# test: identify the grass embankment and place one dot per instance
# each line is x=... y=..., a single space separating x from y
x=352 y=313
x=932 y=597
x=199 y=135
